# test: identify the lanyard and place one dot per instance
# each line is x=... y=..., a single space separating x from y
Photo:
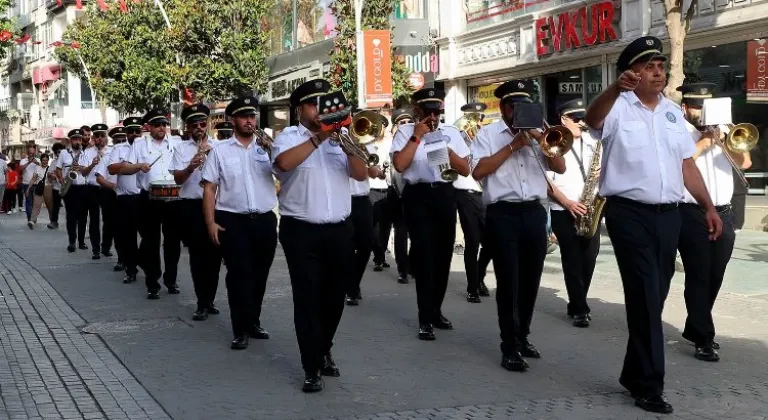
x=578 y=159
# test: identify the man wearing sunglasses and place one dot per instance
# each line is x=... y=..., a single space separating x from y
x=89 y=159
x=224 y=130
x=123 y=163
x=578 y=253
x=156 y=150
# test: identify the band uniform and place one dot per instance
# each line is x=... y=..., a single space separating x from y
x=75 y=197
x=93 y=204
x=379 y=183
x=108 y=189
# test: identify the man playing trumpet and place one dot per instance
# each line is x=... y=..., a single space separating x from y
x=75 y=199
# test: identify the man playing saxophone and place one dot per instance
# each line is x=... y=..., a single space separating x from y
x=572 y=192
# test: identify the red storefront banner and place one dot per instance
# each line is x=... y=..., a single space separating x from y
x=757 y=71
x=378 y=68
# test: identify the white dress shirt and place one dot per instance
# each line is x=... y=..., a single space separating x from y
x=147 y=151
x=519 y=178
x=182 y=155
x=124 y=152
x=381 y=149
x=26 y=176
x=101 y=167
x=244 y=177
x=420 y=171
x=55 y=164
x=571 y=183
x=318 y=190
x=643 y=151
x=715 y=169
x=64 y=162
x=86 y=158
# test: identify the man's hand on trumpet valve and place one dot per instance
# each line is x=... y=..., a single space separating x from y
x=375 y=172
x=196 y=162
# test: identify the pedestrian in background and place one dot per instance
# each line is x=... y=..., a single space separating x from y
x=11 y=184
x=3 y=171
x=36 y=189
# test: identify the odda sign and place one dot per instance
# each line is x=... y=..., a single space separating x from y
x=584 y=26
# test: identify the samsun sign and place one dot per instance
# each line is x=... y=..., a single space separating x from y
x=587 y=25
x=378 y=69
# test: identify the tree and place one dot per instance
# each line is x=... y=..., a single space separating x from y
x=343 y=74
x=6 y=26
x=678 y=25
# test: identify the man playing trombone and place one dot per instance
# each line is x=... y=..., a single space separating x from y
x=510 y=166
x=705 y=260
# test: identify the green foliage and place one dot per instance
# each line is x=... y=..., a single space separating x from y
x=343 y=75
x=136 y=62
x=6 y=25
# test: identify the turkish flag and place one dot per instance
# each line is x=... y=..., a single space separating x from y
x=102 y=5
x=23 y=39
x=5 y=35
x=123 y=6
x=79 y=4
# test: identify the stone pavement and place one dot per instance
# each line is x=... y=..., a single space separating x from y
x=77 y=341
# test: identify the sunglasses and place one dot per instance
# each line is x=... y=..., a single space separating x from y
x=99 y=135
x=159 y=124
x=132 y=131
x=200 y=124
x=404 y=121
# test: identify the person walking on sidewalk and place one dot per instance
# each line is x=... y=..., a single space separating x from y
x=27 y=169
x=51 y=196
x=37 y=188
x=3 y=177
x=647 y=162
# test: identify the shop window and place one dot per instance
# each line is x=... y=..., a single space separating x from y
x=280 y=24
x=585 y=84
x=409 y=9
x=316 y=21
x=484 y=94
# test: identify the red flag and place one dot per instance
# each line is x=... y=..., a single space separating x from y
x=103 y=5
x=79 y=4
x=74 y=44
x=37 y=42
x=5 y=35
x=123 y=6
x=23 y=39
x=56 y=44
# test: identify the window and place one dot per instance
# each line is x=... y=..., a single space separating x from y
x=280 y=22
x=409 y=9
x=86 y=100
x=316 y=21
x=485 y=94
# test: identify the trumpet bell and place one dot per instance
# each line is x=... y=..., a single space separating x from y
x=373 y=160
x=742 y=138
x=558 y=140
x=366 y=127
x=468 y=124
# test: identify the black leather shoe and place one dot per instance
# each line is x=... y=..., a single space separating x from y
x=715 y=345
x=313 y=382
x=529 y=350
x=153 y=295
x=129 y=279
x=385 y=264
x=83 y=246
x=707 y=353
x=378 y=268
x=402 y=279
x=201 y=314
x=70 y=248
x=106 y=253
x=483 y=289
x=514 y=362
x=426 y=332
x=473 y=298
x=329 y=367
x=119 y=267
x=212 y=309
x=351 y=301
x=442 y=323
x=653 y=403
x=258 y=332
x=96 y=256
x=173 y=290
x=240 y=343
x=580 y=321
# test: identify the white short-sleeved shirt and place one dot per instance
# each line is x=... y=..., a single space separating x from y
x=147 y=151
x=64 y=162
x=363 y=188
x=519 y=178
x=714 y=168
x=381 y=149
x=244 y=177
x=316 y=191
x=643 y=151
x=101 y=168
x=182 y=155
x=87 y=157
x=571 y=183
x=26 y=176
x=126 y=184
x=420 y=171
x=42 y=173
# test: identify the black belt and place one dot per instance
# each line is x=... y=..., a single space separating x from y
x=360 y=196
x=720 y=209
x=516 y=204
x=657 y=208
x=430 y=184
x=474 y=192
x=253 y=215
x=379 y=189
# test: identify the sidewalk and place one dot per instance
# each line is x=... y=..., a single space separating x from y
x=77 y=343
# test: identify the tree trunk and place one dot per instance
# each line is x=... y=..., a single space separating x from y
x=103 y=111
x=677 y=31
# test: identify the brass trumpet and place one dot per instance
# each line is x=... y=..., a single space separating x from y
x=740 y=139
x=264 y=140
x=558 y=140
x=366 y=127
x=469 y=124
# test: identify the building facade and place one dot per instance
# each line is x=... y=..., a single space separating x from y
x=568 y=49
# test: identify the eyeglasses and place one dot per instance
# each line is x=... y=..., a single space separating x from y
x=159 y=124
x=201 y=124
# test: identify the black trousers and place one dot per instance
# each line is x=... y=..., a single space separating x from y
x=159 y=216
x=362 y=234
x=704 y=262
x=108 y=204
x=204 y=255
x=92 y=211
x=739 y=203
x=248 y=245
x=578 y=256
x=128 y=212
x=320 y=260
x=430 y=213
x=56 y=195
x=516 y=234
x=76 y=203
x=380 y=209
x=393 y=217
x=472 y=218
x=644 y=239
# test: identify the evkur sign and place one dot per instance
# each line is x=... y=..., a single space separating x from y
x=378 y=68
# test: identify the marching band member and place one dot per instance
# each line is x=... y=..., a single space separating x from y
x=204 y=255
x=108 y=187
x=471 y=209
x=429 y=203
x=89 y=159
x=379 y=190
x=157 y=151
x=223 y=130
x=123 y=163
x=315 y=203
x=647 y=161
x=704 y=260
x=75 y=199
x=238 y=202
x=53 y=201
x=578 y=253
x=506 y=162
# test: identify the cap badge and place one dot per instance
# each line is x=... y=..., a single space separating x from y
x=580 y=103
x=649 y=42
x=520 y=85
x=247 y=101
x=194 y=108
x=319 y=85
x=431 y=93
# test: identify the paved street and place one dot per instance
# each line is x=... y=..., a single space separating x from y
x=79 y=344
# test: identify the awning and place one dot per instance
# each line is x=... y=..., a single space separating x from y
x=46 y=73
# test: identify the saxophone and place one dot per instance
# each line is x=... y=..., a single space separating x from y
x=587 y=224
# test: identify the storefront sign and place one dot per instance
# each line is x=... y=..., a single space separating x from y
x=422 y=62
x=499 y=48
x=757 y=71
x=378 y=68
x=416 y=80
x=584 y=26
x=485 y=95
x=578 y=87
x=281 y=87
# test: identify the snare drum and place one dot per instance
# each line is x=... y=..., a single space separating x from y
x=164 y=190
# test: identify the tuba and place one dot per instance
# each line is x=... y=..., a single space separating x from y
x=366 y=127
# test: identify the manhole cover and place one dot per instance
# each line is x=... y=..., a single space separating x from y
x=130 y=326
